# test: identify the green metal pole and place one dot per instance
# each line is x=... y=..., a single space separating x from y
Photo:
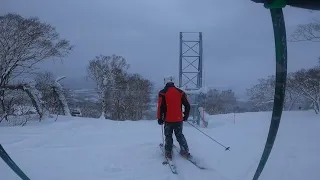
x=12 y=164
x=280 y=84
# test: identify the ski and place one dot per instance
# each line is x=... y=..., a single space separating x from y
x=169 y=162
x=190 y=159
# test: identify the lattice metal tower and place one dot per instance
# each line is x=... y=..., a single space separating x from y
x=190 y=70
x=190 y=62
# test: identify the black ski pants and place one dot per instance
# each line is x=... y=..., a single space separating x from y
x=169 y=127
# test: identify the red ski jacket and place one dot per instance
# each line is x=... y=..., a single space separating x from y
x=170 y=103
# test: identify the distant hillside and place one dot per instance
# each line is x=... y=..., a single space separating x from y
x=85 y=95
x=78 y=83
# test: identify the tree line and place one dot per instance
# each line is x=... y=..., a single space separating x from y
x=303 y=86
x=26 y=42
x=122 y=95
x=303 y=91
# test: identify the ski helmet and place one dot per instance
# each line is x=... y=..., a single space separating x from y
x=169 y=79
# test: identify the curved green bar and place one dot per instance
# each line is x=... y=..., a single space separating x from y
x=280 y=86
x=12 y=164
x=275 y=7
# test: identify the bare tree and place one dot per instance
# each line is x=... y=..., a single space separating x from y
x=306 y=83
x=228 y=99
x=123 y=96
x=138 y=96
x=117 y=100
x=103 y=70
x=24 y=42
x=294 y=99
x=212 y=98
x=308 y=32
x=44 y=83
x=262 y=94
x=220 y=102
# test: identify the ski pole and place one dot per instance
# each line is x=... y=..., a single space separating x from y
x=162 y=134
x=226 y=148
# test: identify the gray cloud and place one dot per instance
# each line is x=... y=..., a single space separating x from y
x=237 y=35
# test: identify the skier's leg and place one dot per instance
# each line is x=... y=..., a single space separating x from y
x=180 y=137
x=168 y=130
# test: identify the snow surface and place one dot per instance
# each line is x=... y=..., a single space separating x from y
x=94 y=149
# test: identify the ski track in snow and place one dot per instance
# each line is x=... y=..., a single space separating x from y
x=95 y=149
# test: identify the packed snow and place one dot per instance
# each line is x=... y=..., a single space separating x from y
x=96 y=149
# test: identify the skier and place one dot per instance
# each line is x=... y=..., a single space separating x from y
x=170 y=114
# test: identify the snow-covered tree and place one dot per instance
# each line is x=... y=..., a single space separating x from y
x=123 y=96
x=33 y=93
x=103 y=71
x=53 y=93
x=58 y=89
x=24 y=42
x=306 y=83
x=12 y=98
x=262 y=94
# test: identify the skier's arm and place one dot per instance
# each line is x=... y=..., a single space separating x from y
x=160 y=106
x=186 y=104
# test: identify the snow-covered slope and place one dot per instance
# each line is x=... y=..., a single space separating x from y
x=95 y=149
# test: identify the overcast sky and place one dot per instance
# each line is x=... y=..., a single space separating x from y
x=238 y=44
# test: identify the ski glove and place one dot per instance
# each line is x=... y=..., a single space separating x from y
x=160 y=121
x=185 y=117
